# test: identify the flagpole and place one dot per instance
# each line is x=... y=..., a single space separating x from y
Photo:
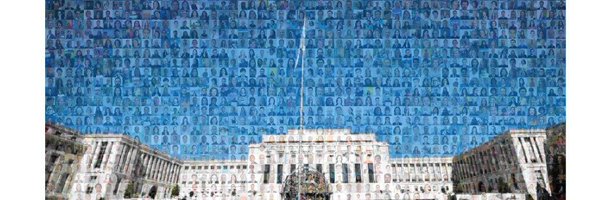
x=301 y=50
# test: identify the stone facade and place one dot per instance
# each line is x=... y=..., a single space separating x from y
x=356 y=166
x=63 y=154
x=347 y=166
x=428 y=178
x=514 y=162
x=113 y=161
x=213 y=179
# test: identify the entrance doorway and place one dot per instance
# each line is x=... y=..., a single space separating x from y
x=152 y=192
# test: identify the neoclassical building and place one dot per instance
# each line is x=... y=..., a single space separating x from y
x=63 y=153
x=318 y=164
x=114 y=162
x=513 y=162
x=315 y=164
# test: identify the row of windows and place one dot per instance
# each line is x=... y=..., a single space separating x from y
x=490 y=160
x=266 y=172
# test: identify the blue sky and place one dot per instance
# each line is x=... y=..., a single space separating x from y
x=431 y=79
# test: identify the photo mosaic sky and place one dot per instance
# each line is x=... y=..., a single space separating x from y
x=203 y=79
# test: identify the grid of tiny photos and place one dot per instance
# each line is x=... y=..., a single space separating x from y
x=203 y=79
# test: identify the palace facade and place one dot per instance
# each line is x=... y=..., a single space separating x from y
x=316 y=164
x=351 y=166
x=63 y=154
x=513 y=162
x=115 y=166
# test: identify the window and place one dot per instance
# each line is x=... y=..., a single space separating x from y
x=523 y=150
x=279 y=173
x=331 y=173
x=357 y=173
x=320 y=168
x=292 y=168
x=371 y=174
x=345 y=173
x=100 y=155
x=266 y=172
x=89 y=190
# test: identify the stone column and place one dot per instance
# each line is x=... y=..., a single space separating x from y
x=145 y=161
x=526 y=151
x=172 y=171
x=159 y=162
x=154 y=165
x=164 y=171
x=176 y=174
x=167 y=169
x=533 y=146
x=93 y=155
x=127 y=159
x=96 y=154
x=157 y=168
x=160 y=170
x=124 y=157
x=166 y=174
x=130 y=154
x=106 y=155
x=540 y=145
x=121 y=155
x=149 y=166
x=130 y=160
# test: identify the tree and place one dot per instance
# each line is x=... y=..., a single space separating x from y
x=175 y=191
x=129 y=191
